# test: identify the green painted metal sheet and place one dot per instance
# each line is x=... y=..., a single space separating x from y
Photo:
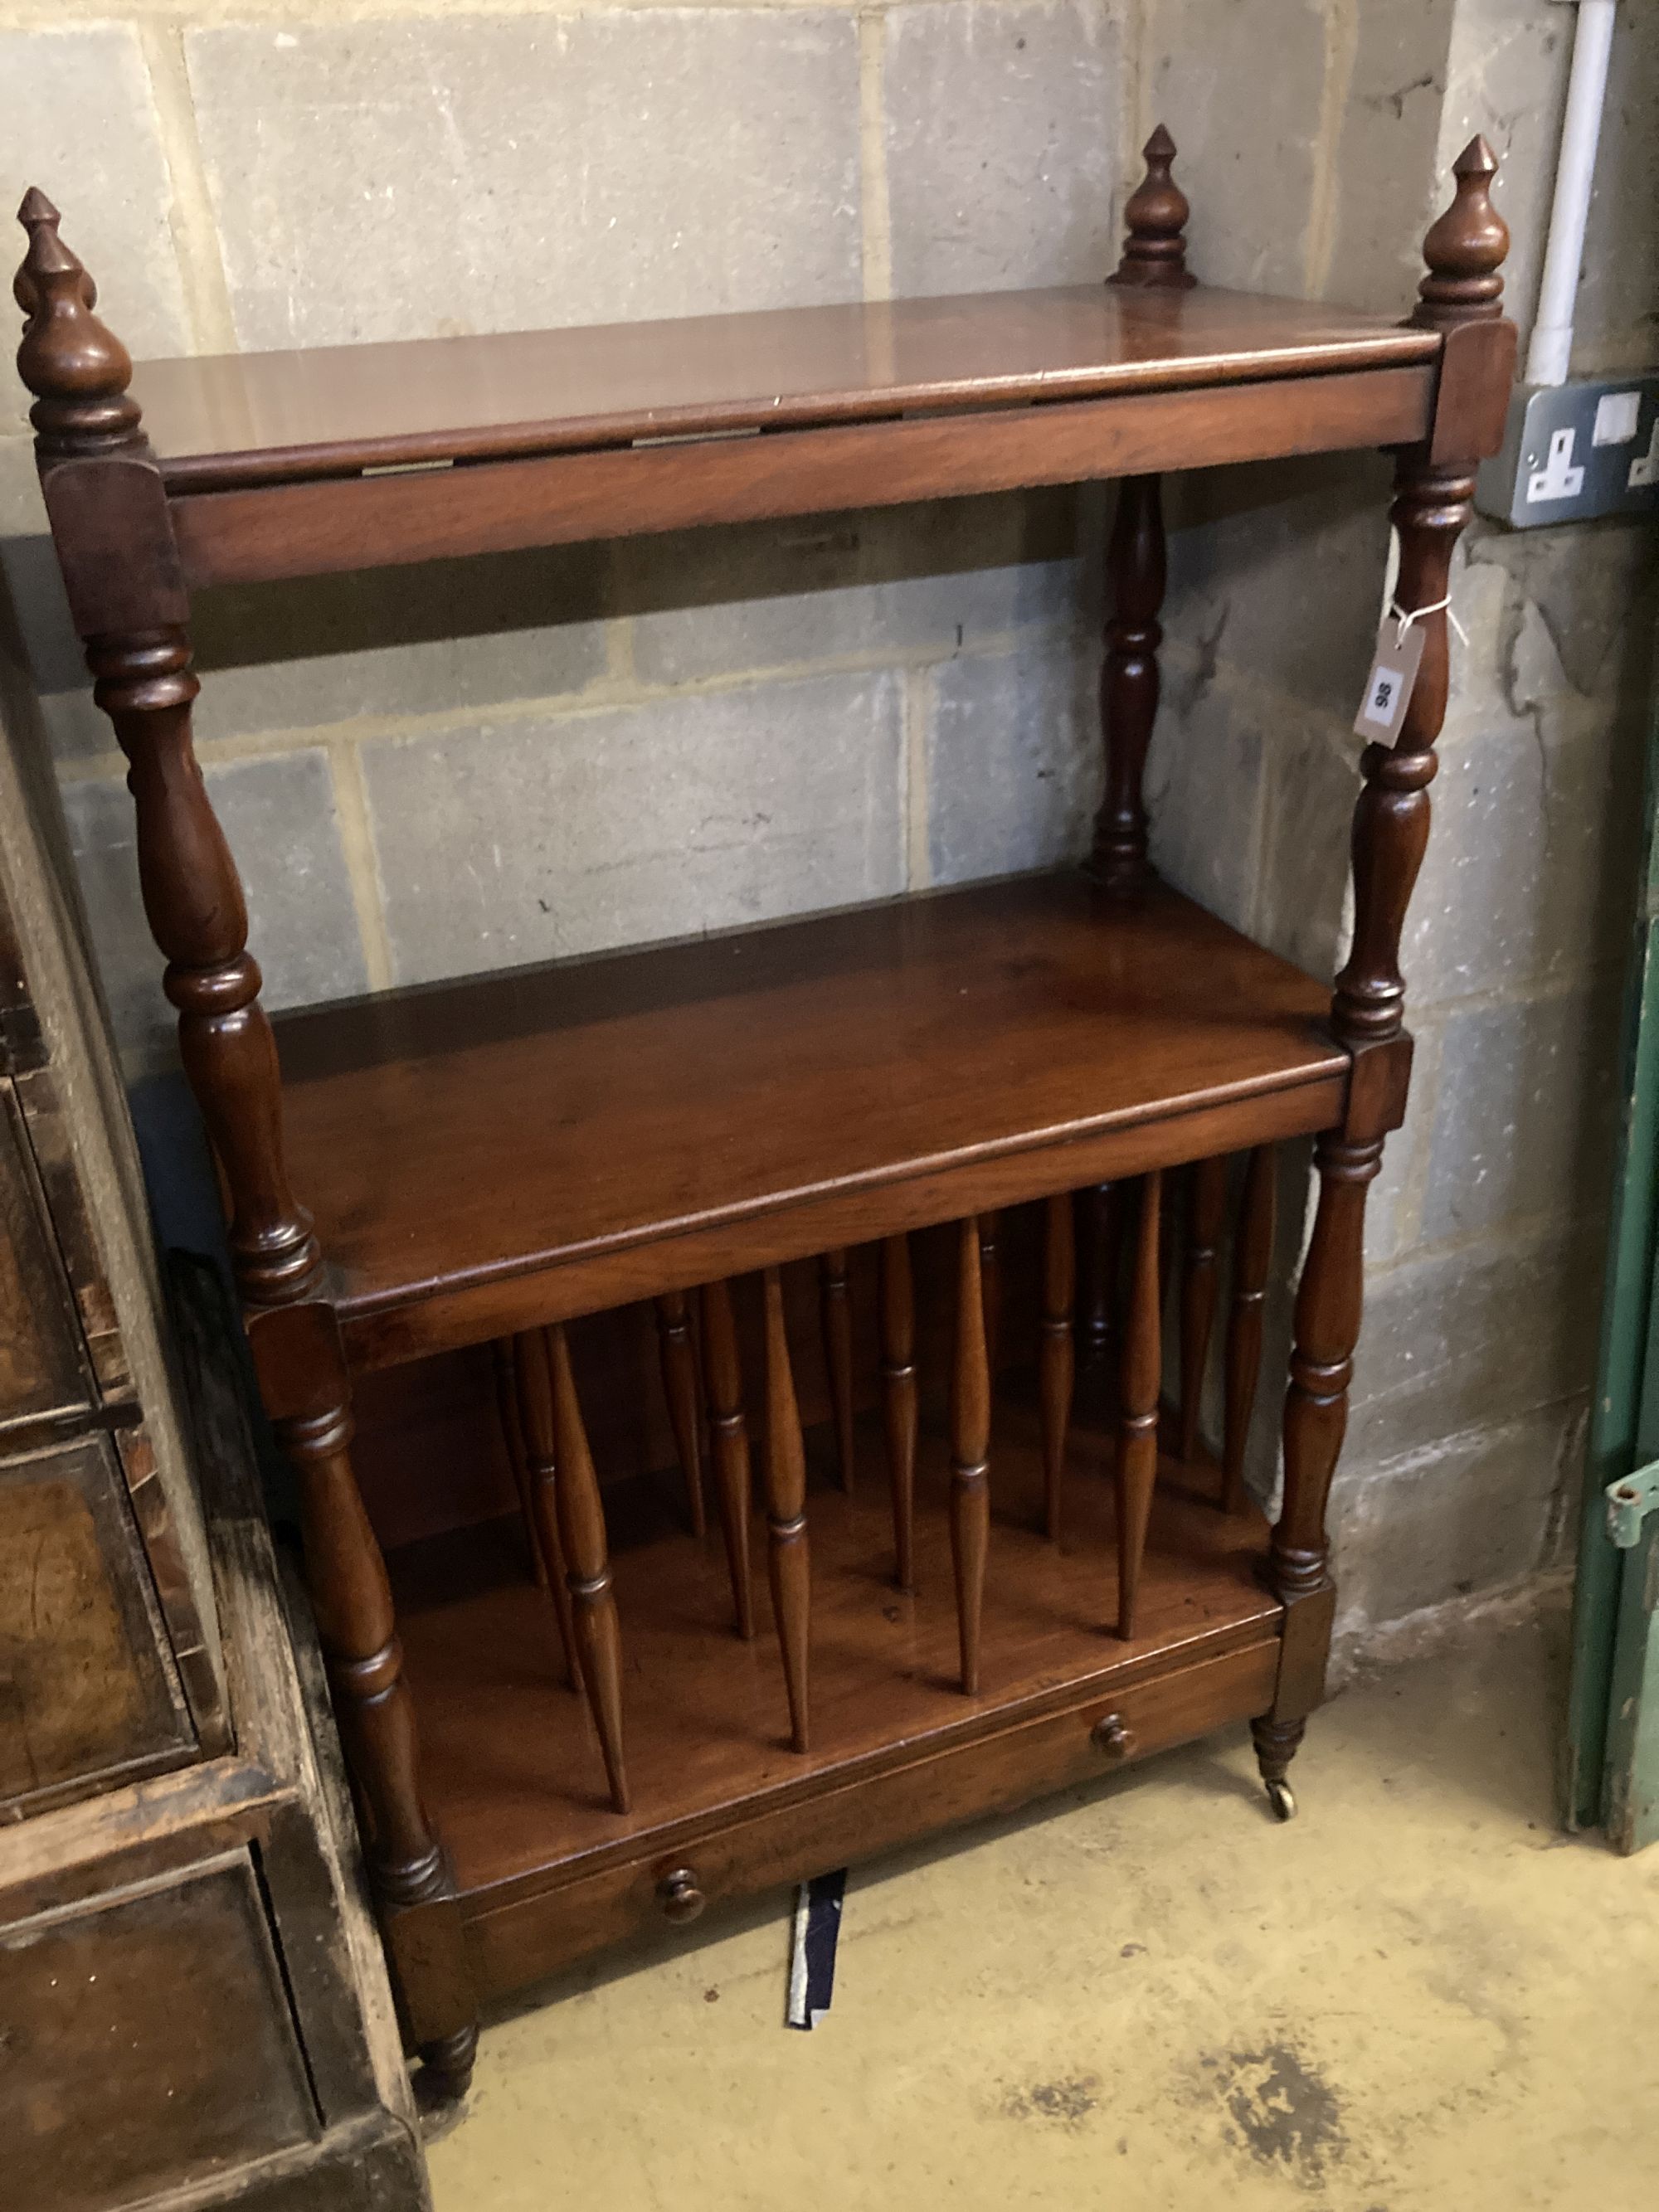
x=1612 y=1732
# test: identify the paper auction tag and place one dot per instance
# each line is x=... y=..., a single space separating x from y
x=1394 y=671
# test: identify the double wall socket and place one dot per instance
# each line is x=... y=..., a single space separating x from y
x=1574 y=451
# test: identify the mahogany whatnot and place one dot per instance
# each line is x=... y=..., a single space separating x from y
x=946 y=1060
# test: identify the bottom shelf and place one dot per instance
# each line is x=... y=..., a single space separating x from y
x=511 y=1765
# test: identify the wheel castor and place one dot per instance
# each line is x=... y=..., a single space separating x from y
x=1282 y=1798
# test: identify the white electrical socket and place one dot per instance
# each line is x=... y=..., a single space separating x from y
x=1557 y=478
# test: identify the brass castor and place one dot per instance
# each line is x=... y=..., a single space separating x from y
x=1282 y=1798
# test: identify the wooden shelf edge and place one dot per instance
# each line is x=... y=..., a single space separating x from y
x=332 y=524
x=251 y=420
x=412 y=1326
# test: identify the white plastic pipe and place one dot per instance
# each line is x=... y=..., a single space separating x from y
x=1587 y=87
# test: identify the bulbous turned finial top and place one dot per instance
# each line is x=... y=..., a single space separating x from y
x=1465 y=248
x=1154 y=250
x=78 y=371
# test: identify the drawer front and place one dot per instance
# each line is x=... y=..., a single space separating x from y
x=852 y=1821
x=148 y=2043
x=88 y=1695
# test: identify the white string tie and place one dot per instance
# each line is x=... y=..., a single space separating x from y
x=1404 y=621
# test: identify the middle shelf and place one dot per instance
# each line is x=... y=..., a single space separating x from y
x=521 y=1147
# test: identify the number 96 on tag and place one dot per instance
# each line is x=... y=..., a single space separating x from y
x=1389 y=686
x=1383 y=705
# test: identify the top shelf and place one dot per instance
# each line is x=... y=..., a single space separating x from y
x=240 y=420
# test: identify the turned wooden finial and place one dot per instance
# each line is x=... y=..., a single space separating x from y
x=1155 y=250
x=1465 y=248
x=78 y=371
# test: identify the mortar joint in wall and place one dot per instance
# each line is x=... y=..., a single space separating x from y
x=876 y=239
x=357 y=834
x=919 y=685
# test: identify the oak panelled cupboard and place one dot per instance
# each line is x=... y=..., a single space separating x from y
x=193 y=2008
x=554 y=1753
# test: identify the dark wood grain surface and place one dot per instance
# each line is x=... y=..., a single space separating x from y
x=442 y=1136
x=261 y=418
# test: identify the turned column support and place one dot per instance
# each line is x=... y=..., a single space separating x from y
x=729 y=1431
x=1252 y=1257
x=304 y=1382
x=1206 y=1204
x=970 y=1453
x=114 y=539
x=836 y=1318
x=1434 y=487
x=1056 y=1353
x=678 y=1357
x=1154 y=259
x=1129 y=681
x=788 y=1564
x=533 y=1385
x=113 y=535
x=899 y=1405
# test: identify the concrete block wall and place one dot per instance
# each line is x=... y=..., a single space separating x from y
x=426 y=772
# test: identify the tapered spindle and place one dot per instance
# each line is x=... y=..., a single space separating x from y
x=970 y=1444
x=898 y=1399
x=1252 y=1256
x=1137 y=1427
x=1103 y=1246
x=1206 y=1205
x=835 y=1312
x=680 y=1385
x=990 y=1283
x=534 y=1384
x=581 y=1531
x=512 y=1427
x=729 y=1437
x=1056 y=1356
x=787 y=1556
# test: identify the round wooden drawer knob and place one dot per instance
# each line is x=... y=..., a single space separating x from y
x=1112 y=1737
x=679 y=1895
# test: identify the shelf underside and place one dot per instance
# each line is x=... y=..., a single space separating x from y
x=543 y=1143
x=511 y=1767
x=238 y=420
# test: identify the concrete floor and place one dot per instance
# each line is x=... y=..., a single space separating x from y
x=1418 y=1995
